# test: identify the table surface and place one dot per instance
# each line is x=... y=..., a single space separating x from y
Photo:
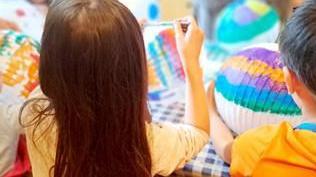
x=207 y=162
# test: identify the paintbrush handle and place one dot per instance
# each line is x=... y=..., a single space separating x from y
x=184 y=24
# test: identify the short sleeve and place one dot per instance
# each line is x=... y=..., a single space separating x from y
x=248 y=149
x=172 y=145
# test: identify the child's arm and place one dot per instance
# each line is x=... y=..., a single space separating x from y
x=221 y=136
x=189 y=46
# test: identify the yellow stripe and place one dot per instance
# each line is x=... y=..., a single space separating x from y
x=258 y=7
x=153 y=80
x=255 y=68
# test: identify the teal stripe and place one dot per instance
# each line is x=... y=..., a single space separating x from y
x=229 y=31
x=307 y=126
x=257 y=100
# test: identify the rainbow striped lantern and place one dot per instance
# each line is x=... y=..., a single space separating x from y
x=19 y=61
x=240 y=24
x=250 y=90
x=246 y=22
x=164 y=64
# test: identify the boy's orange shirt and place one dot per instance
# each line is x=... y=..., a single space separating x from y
x=276 y=151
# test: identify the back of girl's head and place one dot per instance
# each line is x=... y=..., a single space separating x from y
x=93 y=71
x=298 y=44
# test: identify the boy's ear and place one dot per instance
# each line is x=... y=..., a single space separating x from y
x=290 y=80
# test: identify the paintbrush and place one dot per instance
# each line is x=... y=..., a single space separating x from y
x=184 y=24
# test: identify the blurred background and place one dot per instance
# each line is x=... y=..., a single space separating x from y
x=154 y=10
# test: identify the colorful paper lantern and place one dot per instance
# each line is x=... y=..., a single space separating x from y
x=246 y=22
x=250 y=90
x=165 y=67
x=163 y=56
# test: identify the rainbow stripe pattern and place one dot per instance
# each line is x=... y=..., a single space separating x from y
x=19 y=61
x=240 y=24
x=250 y=91
x=254 y=79
x=164 y=64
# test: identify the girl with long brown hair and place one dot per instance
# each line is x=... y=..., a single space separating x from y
x=90 y=116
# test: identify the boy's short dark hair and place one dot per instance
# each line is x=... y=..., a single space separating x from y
x=298 y=44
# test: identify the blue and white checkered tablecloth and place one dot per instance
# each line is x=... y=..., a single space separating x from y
x=207 y=163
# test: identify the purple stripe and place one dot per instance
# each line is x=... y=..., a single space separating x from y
x=236 y=77
x=243 y=15
x=269 y=57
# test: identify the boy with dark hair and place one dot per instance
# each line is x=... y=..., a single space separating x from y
x=280 y=150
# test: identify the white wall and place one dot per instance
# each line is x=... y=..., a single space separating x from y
x=172 y=9
x=169 y=9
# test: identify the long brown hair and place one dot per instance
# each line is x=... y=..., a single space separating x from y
x=93 y=72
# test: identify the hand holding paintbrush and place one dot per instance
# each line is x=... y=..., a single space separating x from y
x=184 y=24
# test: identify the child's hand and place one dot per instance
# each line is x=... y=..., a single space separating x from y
x=189 y=44
x=4 y=24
